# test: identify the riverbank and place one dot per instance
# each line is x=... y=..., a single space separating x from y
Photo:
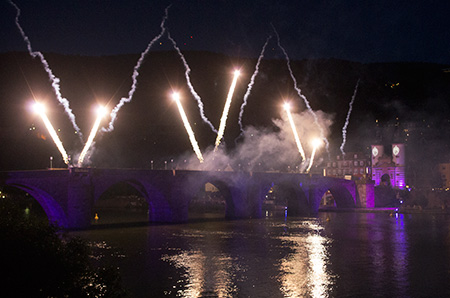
x=404 y=210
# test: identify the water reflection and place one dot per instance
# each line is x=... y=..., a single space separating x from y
x=304 y=271
x=336 y=255
x=207 y=272
x=401 y=256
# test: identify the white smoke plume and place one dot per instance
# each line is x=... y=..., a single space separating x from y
x=135 y=75
x=299 y=92
x=347 y=119
x=250 y=85
x=191 y=88
x=54 y=80
x=268 y=149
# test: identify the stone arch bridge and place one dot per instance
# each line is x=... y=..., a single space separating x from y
x=68 y=195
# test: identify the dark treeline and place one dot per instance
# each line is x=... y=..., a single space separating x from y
x=150 y=128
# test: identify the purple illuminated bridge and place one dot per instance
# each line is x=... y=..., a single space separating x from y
x=68 y=195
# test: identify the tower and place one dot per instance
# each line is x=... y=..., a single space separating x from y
x=398 y=158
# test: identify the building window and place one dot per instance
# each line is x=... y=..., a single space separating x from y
x=355 y=163
x=361 y=163
x=334 y=164
x=355 y=156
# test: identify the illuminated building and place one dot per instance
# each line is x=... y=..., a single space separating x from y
x=392 y=165
x=351 y=166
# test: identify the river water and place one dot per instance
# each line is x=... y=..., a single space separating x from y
x=334 y=255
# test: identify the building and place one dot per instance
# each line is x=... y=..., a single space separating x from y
x=389 y=163
x=444 y=170
x=352 y=166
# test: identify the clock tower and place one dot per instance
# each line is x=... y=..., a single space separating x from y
x=377 y=152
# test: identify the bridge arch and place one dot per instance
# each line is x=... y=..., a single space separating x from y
x=159 y=208
x=225 y=188
x=343 y=191
x=289 y=188
x=292 y=195
x=51 y=207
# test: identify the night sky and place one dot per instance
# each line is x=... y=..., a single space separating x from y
x=361 y=31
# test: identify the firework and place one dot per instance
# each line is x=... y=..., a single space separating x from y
x=347 y=119
x=101 y=112
x=194 y=143
x=287 y=107
x=53 y=79
x=223 y=120
x=40 y=109
x=316 y=144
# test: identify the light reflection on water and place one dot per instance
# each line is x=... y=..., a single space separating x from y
x=208 y=272
x=303 y=272
x=346 y=255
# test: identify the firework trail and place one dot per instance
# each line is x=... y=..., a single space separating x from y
x=54 y=80
x=135 y=75
x=287 y=107
x=101 y=113
x=250 y=85
x=316 y=144
x=189 y=130
x=299 y=92
x=40 y=109
x=223 y=120
x=191 y=88
x=344 y=129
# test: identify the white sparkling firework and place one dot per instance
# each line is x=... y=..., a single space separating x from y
x=101 y=113
x=189 y=130
x=344 y=128
x=299 y=92
x=40 y=109
x=54 y=80
x=287 y=107
x=316 y=144
x=191 y=88
x=135 y=75
x=250 y=85
x=223 y=119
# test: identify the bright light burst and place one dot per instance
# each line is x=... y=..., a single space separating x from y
x=316 y=144
x=176 y=97
x=40 y=109
x=223 y=120
x=287 y=107
x=101 y=112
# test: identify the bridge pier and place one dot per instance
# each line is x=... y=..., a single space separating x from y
x=80 y=200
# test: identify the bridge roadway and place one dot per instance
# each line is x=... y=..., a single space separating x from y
x=68 y=195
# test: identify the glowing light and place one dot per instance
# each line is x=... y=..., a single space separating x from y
x=316 y=144
x=299 y=92
x=189 y=130
x=223 y=120
x=101 y=112
x=191 y=87
x=287 y=107
x=40 y=109
x=53 y=79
